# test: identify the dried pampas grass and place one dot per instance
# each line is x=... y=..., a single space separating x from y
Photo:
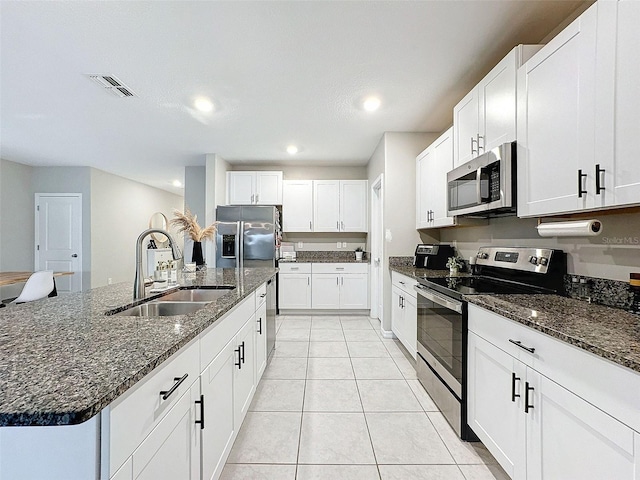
x=187 y=223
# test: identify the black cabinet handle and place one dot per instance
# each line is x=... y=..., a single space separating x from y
x=167 y=393
x=201 y=421
x=518 y=343
x=260 y=326
x=599 y=186
x=580 y=190
x=527 y=388
x=514 y=395
x=239 y=362
x=242 y=354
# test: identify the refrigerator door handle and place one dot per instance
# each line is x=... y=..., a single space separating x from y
x=240 y=237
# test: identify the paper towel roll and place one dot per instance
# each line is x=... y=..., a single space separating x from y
x=576 y=228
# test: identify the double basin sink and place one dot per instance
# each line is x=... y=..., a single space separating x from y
x=179 y=302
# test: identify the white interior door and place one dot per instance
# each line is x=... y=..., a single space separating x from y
x=58 y=237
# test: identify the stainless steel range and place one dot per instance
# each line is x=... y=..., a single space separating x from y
x=442 y=317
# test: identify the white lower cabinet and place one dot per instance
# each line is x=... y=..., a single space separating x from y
x=404 y=312
x=294 y=286
x=178 y=425
x=172 y=449
x=340 y=286
x=535 y=427
x=261 y=341
x=219 y=428
x=331 y=286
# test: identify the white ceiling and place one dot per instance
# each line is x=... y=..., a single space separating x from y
x=277 y=73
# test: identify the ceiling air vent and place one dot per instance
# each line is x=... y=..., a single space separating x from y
x=112 y=84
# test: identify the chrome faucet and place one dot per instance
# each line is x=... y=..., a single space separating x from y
x=138 y=284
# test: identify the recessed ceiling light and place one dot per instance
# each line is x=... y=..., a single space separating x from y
x=292 y=149
x=203 y=104
x=176 y=183
x=371 y=104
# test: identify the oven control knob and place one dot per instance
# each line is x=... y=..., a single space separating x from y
x=483 y=255
x=544 y=261
x=533 y=260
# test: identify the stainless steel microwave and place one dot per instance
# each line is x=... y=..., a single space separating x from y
x=484 y=186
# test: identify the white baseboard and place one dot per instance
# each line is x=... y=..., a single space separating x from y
x=387 y=333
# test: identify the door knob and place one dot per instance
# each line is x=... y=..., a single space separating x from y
x=75 y=255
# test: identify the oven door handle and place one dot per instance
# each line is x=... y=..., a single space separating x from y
x=439 y=299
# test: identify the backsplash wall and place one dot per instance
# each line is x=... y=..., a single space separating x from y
x=612 y=255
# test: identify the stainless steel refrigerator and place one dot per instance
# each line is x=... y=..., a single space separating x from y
x=246 y=236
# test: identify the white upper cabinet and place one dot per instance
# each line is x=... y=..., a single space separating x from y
x=326 y=205
x=556 y=122
x=617 y=112
x=339 y=206
x=578 y=117
x=432 y=166
x=353 y=205
x=486 y=116
x=254 y=188
x=297 y=206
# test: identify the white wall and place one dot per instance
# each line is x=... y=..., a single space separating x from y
x=215 y=194
x=395 y=157
x=195 y=193
x=16 y=222
x=120 y=210
x=613 y=254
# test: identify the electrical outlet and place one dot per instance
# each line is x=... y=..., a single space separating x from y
x=344 y=244
x=109 y=281
x=300 y=244
x=338 y=245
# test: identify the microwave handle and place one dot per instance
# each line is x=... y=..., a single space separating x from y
x=478 y=185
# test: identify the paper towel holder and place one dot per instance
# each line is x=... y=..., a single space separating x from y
x=574 y=228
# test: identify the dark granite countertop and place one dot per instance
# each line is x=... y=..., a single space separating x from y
x=608 y=332
x=63 y=359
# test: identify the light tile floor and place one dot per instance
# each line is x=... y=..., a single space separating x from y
x=339 y=402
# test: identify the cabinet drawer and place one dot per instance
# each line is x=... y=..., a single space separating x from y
x=404 y=283
x=294 y=267
x=340 y=268
x=261 y=295
x=215 y=337
x=598 y=381
x=134 y=415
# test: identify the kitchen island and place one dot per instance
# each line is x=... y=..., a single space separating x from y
x=66 y=360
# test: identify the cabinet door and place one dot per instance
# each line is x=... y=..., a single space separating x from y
x=422 y=188
x=294 y=291
x=241 y=188
x=568 y=437
x=297 y=206
x=440 y=163
x=325 y=291
x=622 y=175
x=465 y=129
x=243 y=374
x=556 y=122
x=354 y=291
x=353 y=206
x=494 y=414
x=326 y=206
x=268 y=188
x=261 y=341
x=172 y=449
x=410 y=317
x=397 y=314
x=217 y=389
